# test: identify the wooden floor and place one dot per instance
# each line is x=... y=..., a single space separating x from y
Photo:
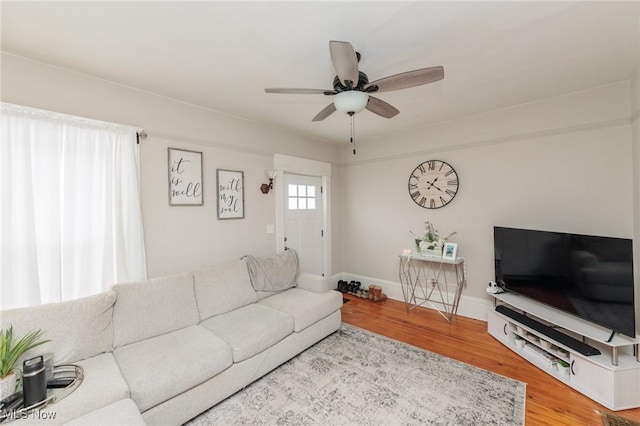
x=549 y=401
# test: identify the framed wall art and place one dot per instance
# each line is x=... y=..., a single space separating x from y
x=230 y=194
x=185 y=177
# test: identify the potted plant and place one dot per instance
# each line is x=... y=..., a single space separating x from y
x=431 y=243
x=10 y=351
x=563 y=367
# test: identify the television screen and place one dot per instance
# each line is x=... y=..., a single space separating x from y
x=588 y=276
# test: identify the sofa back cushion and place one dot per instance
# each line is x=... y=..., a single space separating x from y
x=223 y=288
x=153 y=307
x=77 y=329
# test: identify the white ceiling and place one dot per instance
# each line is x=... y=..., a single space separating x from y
x=221 y=55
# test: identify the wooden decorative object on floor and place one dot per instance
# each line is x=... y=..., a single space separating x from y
x=378 y=295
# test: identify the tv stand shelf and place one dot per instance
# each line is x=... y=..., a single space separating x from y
x=568 y=322
x=570 y=342
x=571 y=350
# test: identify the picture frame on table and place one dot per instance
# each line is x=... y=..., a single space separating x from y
x=450 y=251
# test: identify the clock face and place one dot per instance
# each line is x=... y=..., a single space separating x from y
x=433 y=184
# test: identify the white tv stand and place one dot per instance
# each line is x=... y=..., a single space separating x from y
x=611 y=378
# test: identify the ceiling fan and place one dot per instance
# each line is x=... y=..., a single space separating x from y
x=351 y=87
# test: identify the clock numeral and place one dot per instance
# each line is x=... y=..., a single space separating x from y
x=452 y=182
x=450 y=172
x=413 y=186
x=450 y=192
x=431 y=164
x=441 y=166
x=443 y=201
x=421 y=168
x=423 y=201
x=414 y=177
x=432 y=203
x=415 y=195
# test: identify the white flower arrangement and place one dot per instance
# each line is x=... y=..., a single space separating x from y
x=431 y=242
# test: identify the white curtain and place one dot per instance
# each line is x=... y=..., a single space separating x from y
x=70 y=213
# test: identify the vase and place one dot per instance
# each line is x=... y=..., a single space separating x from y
x=564 y=371
x=8 y=385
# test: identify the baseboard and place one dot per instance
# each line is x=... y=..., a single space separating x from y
x=469 y=306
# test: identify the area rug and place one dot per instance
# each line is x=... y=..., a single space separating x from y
x=355 y=377
x=610 y=419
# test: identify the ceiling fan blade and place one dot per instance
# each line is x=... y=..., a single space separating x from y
x=380 y=107
x=406 y=79
x=330 y=109
x=301 y=91
x=345 y=61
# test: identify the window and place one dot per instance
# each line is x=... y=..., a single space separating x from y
x=70 y=214
x=302 y=197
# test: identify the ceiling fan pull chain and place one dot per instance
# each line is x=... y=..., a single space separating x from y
x=353 y=139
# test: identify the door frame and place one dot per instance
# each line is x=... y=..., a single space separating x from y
x=302 y=166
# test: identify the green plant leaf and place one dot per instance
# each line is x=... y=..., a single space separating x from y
x=9 y=352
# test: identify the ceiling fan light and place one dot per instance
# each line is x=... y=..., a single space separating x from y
x=350 y=101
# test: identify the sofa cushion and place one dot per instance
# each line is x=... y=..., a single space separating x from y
x=162 y=367
x=223 y=289
x=315 y=283
x=153 y=307
x=251 y=329
x=103 y=385
x=77 y=329
x=305 y=306
x=123 y=412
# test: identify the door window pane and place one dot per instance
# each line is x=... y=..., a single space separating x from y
x=293 y=203
x=301 y=197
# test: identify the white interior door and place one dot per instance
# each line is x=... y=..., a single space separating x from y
x=303 y=220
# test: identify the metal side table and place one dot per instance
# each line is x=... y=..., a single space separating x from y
x=432 y=280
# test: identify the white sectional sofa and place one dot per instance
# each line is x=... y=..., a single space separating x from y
x=164 y=350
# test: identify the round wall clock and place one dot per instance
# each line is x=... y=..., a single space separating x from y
x=433 y=184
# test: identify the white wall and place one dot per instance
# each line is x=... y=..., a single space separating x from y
x=177 y=238
x=635 y=129
x=563 y=164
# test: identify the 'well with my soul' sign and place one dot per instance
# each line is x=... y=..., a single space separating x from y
x=230 y=194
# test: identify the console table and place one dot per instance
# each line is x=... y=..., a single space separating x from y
x=432 y=280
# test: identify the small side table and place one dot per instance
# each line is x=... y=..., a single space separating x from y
x=432 y=280
x=73 y=372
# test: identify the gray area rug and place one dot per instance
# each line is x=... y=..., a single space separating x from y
x=355 y=377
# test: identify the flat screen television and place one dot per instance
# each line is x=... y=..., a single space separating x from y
x=588 y=276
